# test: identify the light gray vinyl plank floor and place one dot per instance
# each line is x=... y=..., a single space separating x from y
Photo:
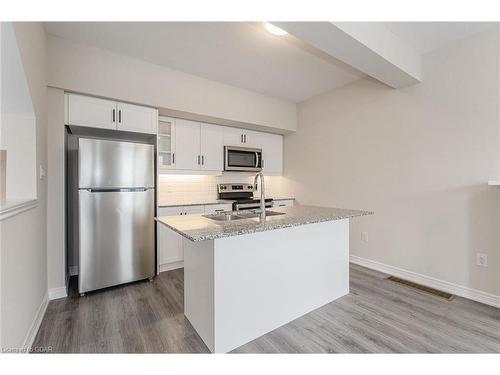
x=377 y=316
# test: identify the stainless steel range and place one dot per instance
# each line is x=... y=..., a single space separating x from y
x=242 y=194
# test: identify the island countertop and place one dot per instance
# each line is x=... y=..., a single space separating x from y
x=200 y=228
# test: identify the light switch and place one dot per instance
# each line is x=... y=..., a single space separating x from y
x=43 y=172
x=364 y=236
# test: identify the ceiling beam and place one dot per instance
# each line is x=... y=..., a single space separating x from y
x=369 y=47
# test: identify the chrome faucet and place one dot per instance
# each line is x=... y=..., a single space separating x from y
x=262 y=193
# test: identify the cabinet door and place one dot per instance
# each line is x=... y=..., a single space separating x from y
x=272 y=154
x=252 y=139
x=187 y=145
x=169 y=245
x=233 y=136
x=212 y=147
x=169 y=242
x=135 y=118
x=166 y=143
x=92 y=112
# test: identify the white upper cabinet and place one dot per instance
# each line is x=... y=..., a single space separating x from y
x=252 y=139
x=233 y=137
x=198 y=146
x=108 y=114
x=166 y=143
x=272 y=154
x=187 y=145
x=181 y=144
x=89 y=111
x=135 y=118
x=212 y=147
x=240 y=137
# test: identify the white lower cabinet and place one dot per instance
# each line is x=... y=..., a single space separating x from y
x=215 y=208
x=170 y=249
x=190 y=210
x=283 y=202
x=169 y=246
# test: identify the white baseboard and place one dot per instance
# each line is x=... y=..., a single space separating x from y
x=35 y=325
x=73 y=270
x=56 y=293
x=458 y=290
x=171 y=266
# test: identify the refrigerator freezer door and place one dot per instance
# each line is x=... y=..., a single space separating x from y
x=112 y=164
x=116 y=238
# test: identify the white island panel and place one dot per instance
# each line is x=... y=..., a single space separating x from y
x=241 y=287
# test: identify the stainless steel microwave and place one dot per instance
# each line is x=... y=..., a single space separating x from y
x=242 y=159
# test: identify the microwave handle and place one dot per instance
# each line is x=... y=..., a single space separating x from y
x=256 y=160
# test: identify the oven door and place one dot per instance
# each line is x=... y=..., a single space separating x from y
x=242 y=159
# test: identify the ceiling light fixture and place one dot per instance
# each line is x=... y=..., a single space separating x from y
x=274 y=29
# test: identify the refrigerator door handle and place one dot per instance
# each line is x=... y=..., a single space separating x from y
x=116 y=190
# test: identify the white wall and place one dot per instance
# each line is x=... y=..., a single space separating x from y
x=56 y=229
x=19 y=140
x=17 y=129
x=419 y=157
x=23 y=242
x=90 y=70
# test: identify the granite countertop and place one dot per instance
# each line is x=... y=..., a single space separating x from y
x=206 y=202
x=200 y=228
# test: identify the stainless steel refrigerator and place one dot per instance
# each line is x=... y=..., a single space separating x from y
x=116 y=206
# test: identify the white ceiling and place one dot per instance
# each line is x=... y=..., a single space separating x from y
x=240 y=54
x=243 y=54
x=427 y=36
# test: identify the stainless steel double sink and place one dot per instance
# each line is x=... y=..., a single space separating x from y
x=230 y=216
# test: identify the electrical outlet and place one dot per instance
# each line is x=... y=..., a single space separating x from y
x=364 y=236
x=482 y=259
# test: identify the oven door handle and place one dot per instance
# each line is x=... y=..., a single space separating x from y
x=256 y=159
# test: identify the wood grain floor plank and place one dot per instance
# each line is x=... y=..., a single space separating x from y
x=378 y=316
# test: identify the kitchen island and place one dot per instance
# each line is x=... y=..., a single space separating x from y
x=245 y=276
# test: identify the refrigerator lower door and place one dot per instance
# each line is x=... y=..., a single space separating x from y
x=116 y=238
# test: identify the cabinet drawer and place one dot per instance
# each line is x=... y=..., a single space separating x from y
x=193 y=210
x=283 y=203
x=214 y=208
x=181 y=210
x=169 y=211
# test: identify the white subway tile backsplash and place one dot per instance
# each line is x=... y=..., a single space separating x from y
x=198 y=188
